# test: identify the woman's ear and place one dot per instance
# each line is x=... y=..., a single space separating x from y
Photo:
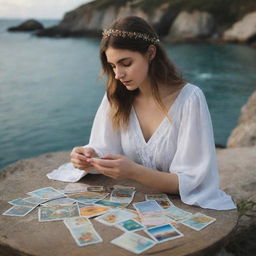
x=151 y=52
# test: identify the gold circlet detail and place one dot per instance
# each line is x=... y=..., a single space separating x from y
x=121 y=33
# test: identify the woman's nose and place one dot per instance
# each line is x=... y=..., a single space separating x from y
x=119 y=74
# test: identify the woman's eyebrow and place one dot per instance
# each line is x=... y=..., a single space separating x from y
x=123 y=59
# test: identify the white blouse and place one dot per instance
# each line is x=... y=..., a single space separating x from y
x=185 y=146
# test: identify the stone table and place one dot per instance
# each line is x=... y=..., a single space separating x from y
x=27 y=236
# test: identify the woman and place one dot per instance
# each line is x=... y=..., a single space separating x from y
x=151 y=126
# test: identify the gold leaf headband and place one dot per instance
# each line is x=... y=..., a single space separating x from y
x=121 y=33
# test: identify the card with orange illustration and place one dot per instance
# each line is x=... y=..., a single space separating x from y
x=92 y=210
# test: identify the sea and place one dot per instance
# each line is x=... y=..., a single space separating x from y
x=50 y=88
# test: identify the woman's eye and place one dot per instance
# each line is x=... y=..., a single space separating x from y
x=127 y=64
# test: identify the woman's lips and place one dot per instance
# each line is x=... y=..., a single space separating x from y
x=126 y=82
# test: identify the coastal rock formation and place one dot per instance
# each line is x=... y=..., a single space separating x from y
x=244 y=135
x=29 y=25
x=89 y=19
x=191 y=25
x=174 y=20
x=244 y=30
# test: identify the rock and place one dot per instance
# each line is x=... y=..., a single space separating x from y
x=237 y=172
x=244 y=134
x=243 y=30
x=237 y=178
x=29 y=25
x=191 y=25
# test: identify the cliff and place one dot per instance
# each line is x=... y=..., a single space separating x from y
x=173 y=20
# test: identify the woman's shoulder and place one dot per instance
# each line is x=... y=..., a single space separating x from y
x=191 y=91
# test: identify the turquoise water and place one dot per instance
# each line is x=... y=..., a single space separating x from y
x=49 y=88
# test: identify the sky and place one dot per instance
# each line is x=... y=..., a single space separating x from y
x=40 y=9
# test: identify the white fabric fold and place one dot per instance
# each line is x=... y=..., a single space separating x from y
x=66 y=173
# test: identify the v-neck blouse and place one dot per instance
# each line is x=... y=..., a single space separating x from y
x=183 y=144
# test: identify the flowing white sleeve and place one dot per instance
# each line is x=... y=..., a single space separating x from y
x=103 y=139
x=195 y=159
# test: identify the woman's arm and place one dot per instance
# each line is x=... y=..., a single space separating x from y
x=120 y=167
x=162 y=181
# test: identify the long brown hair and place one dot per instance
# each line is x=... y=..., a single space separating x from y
x=161 y=69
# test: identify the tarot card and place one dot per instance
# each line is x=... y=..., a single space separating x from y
x=60 y=201
x=21 y=202
x=123 y=187
x=96 y=188
x=111 y=204
x=76 y=222
x=46 y=193
x=148 y=207
x=198 y=221
x=133 y=242
x=163 y=233
x=35 y=200
x=85 y=235
x=75 y=188
x=161 y=199
x=115 y=216
x=17 y=210
x=88 y=197
x=94 y=210
x=156 y=220
x=130 y=225
x=176 y=213
x=122 y=195
x=57 y=212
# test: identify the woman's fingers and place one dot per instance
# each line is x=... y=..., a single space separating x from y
x=111 y=156
x=107 y=171
x=103 y=162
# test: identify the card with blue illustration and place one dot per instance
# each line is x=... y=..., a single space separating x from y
x=130 y=225
x=176 y=213
x=46 y=193
x=164 y=233
x=150 y=207
x=57 y=212
x=85 y=235
x=133 y=242
x=115 y=216
x=19 y=210
x=21 y=202
x=198 y=221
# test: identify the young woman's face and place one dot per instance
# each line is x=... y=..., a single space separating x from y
x=130 y=67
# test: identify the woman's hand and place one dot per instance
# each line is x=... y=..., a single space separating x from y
x=114 y=166
x=79 y=157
